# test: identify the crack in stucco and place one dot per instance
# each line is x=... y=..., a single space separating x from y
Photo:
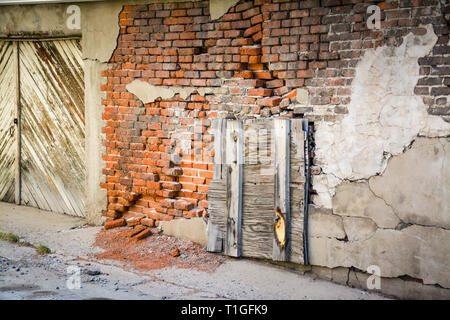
x=394 y=211
x=348 y=276
x=387 y=204
x=384 y=117
x=428 y=157
x=397 y=215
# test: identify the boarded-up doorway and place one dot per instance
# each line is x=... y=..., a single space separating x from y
x=42 y=124
x=258 y=199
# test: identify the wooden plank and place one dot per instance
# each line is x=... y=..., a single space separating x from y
x=281 y=243
x=219 y=141
x=235 y=161
x=217 y=191
x=215 y=238
x=258 y=185
x=257 y=215
x=251 y=142
x=8 y=134
x=53 y=125
x=258 y=195
x=18 y=126
x=217 y=209
x=297 y=182
x=258 y=147
x=306 y=188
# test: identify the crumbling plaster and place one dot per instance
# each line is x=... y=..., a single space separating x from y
x=351 y=241
x=384 y=116
x=218 y=8
x=148 y=93
x=45 y=20
x=95 y=196
x=416 y=184
x=415 y=251
x=385 y=173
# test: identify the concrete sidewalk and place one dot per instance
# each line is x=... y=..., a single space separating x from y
x=24 y=274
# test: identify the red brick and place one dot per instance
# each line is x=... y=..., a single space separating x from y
x=269 y=102
x=183 y=205
x=250 y=51
x=260 y=92
x=274 y=83
x=178 y=20
x=114 y=224
x=305 y=73
x=255 y=66
x=250 y=31
x=257 y=19
x=143 y=234
x=206 y=174
x=266 y=75
x=148 y=222
x=134 y=221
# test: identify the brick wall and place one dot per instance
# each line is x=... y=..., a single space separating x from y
x=257 y=54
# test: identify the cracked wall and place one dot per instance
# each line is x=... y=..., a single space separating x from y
x=385 y=177
x=378 y=100
x=384 y=115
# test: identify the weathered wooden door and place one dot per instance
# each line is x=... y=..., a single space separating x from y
x=52 y=133
x=8 y=141
x=257 y=198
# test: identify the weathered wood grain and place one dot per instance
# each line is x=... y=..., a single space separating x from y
x=257 y=216
x=259 y=189
x=217 y=209
x=8 y=132
x=18 y=135
x=219 y=145
x=235 y=162
x=281 y=251
x=297 y=191
x=53 y=131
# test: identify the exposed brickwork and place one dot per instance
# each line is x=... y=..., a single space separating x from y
x=257 y=54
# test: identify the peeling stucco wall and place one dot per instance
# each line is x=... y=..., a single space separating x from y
x=384 y=116
x=397 y=221
x=382 y=196
x=100 y=29
x=219 y=7
x=95 y=197
x=148 y=93
x=27 y=20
